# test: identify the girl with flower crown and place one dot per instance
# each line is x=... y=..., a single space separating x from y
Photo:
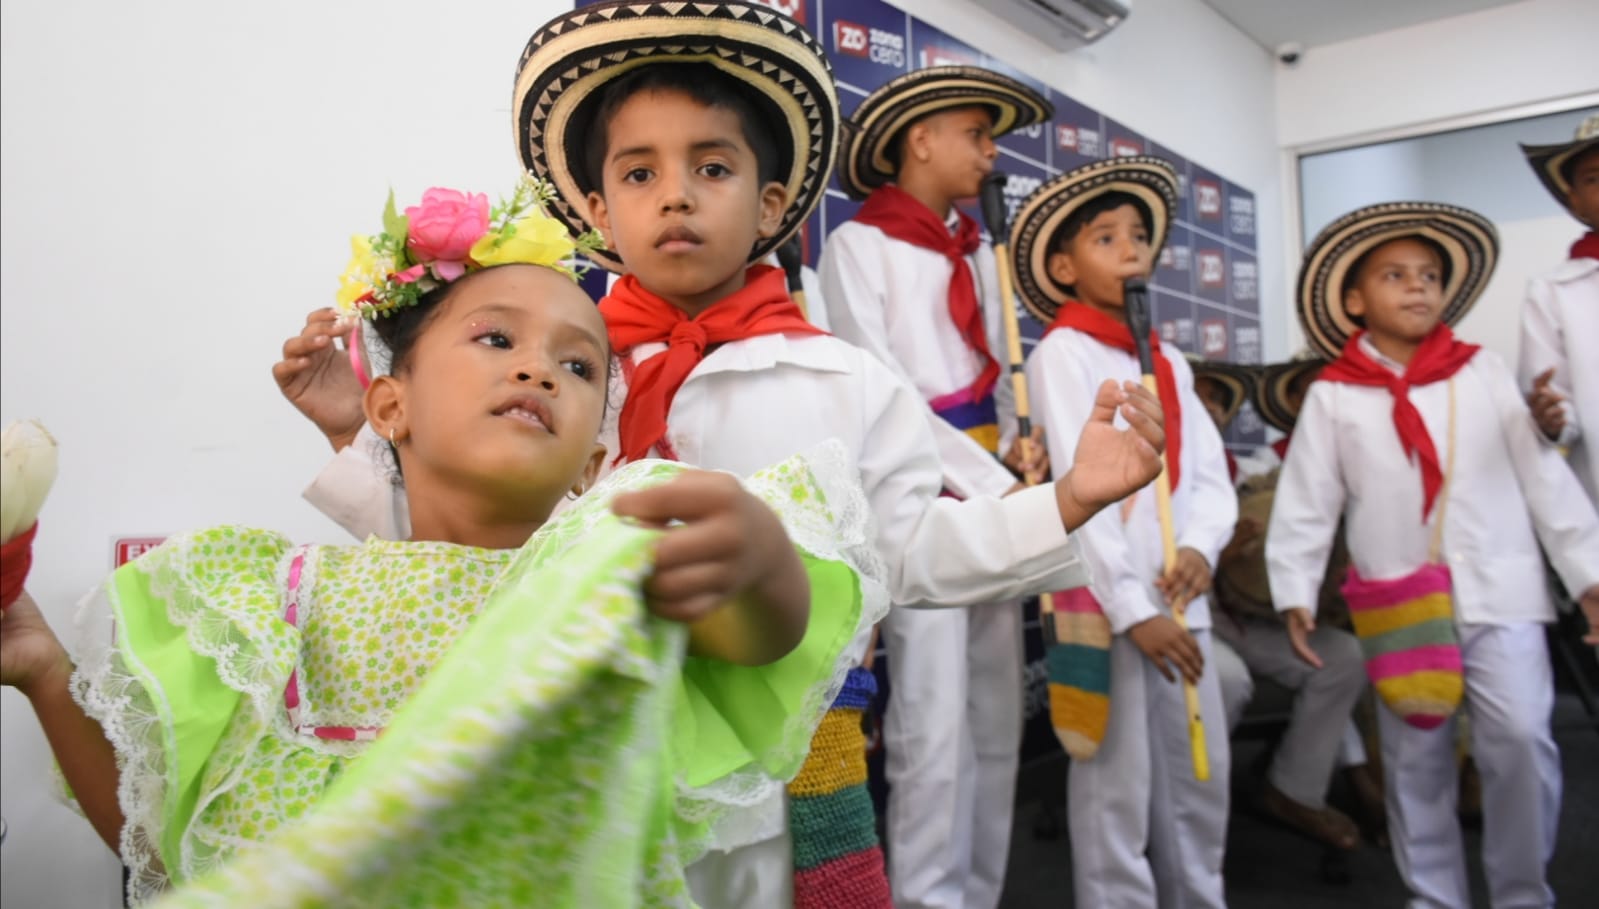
x=507 y=709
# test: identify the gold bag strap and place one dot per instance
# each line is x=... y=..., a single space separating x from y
x=1443 y=491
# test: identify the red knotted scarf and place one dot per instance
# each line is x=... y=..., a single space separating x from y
x=1114 y=333
x=1587 y=247
x=903 y=217
x=634 y=316
x=16 y=557
x=1438 y=357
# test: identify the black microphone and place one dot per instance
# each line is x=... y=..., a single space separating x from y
x=791 y=258
x=992 y=196
x=1135 y=300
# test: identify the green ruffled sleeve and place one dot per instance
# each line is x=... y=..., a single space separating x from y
x=177 y=640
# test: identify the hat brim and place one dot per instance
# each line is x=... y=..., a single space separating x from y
x=1548 y=160
x=1271 y=391
x=1152 y=181
x=1468 y=240
x=867 y=159
x=1235 y=379
x=569 y=61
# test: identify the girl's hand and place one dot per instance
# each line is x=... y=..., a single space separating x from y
x=1111 y=464
x=316 y=377
x=724 y=566
x=1189 y=578
x=31 y=658
x=1164 y=642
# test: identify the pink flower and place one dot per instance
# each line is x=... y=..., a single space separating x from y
x=443 y=228
x=410 y=274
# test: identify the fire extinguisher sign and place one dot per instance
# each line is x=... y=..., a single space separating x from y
x=127 y=549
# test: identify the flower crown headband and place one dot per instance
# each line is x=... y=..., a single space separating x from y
x=451 y=234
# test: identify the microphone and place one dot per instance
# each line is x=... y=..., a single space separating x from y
x=791 y=257
x=992 y=196
x=1135 y=301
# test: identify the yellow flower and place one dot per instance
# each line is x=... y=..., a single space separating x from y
x=537 y=239
x=360 y=275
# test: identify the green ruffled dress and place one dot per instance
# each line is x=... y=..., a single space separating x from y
x=426 y=724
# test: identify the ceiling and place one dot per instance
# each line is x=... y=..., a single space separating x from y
x=1316 y=22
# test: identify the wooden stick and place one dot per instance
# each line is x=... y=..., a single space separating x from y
x=1136 y=303
x=993 y=205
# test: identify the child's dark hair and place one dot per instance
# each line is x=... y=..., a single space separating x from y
x=758 y=119
x=1568 y=167
x=1352 y=275
x=401 y=329
x=895 y=150
x=1093 y=208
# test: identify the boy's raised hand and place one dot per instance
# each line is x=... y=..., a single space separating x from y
x=1546 y=403
x=316 y=377
x=1111 y=464
x=724 y=566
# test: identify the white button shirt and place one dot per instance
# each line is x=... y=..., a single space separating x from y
x=1063 y=375
x=752 y=403
x=1509 y=490
x=878 y=291
x=1560 y=329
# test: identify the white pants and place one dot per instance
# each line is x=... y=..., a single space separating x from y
x=952 y=734
x=1144 y=832
x=757 y=874
x=1510 y=694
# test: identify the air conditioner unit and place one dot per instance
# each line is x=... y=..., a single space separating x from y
x=1062 y=23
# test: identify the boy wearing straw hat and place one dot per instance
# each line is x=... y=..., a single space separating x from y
x=910 y=281
x=1425 y=447
x=697 y=138
x=1560 y=321
x=1145 y=830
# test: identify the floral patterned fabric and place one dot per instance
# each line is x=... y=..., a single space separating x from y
x=545 y=741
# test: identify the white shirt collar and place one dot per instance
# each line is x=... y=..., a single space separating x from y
x=1382 y=359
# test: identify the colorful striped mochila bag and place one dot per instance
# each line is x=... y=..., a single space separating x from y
x=1406 y=626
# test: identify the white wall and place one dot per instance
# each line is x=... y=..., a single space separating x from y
x=180 y=181
x=1495 y=64
x=1498 y=58
x=1182 y=75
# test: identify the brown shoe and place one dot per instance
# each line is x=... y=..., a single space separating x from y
x=1325 y=825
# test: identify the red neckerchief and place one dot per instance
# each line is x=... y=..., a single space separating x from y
x=902 y=217
x=634 y=316
x=1586 y=247
x=1281 y=447
x=1438 y=357
x=16 y=557
x=1115 y=333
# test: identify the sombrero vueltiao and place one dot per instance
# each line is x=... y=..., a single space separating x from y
x=1549 y=160
x=574 y=56
x=866 y=162
x=1152 y=181
x=1235 y=379
x=1271 y=391
x=1468 y=240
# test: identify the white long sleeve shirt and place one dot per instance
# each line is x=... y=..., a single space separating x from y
x=1508 y=491
x=752 y=403
x=1560 y=329
x=892 y=299
x=1122 y=545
